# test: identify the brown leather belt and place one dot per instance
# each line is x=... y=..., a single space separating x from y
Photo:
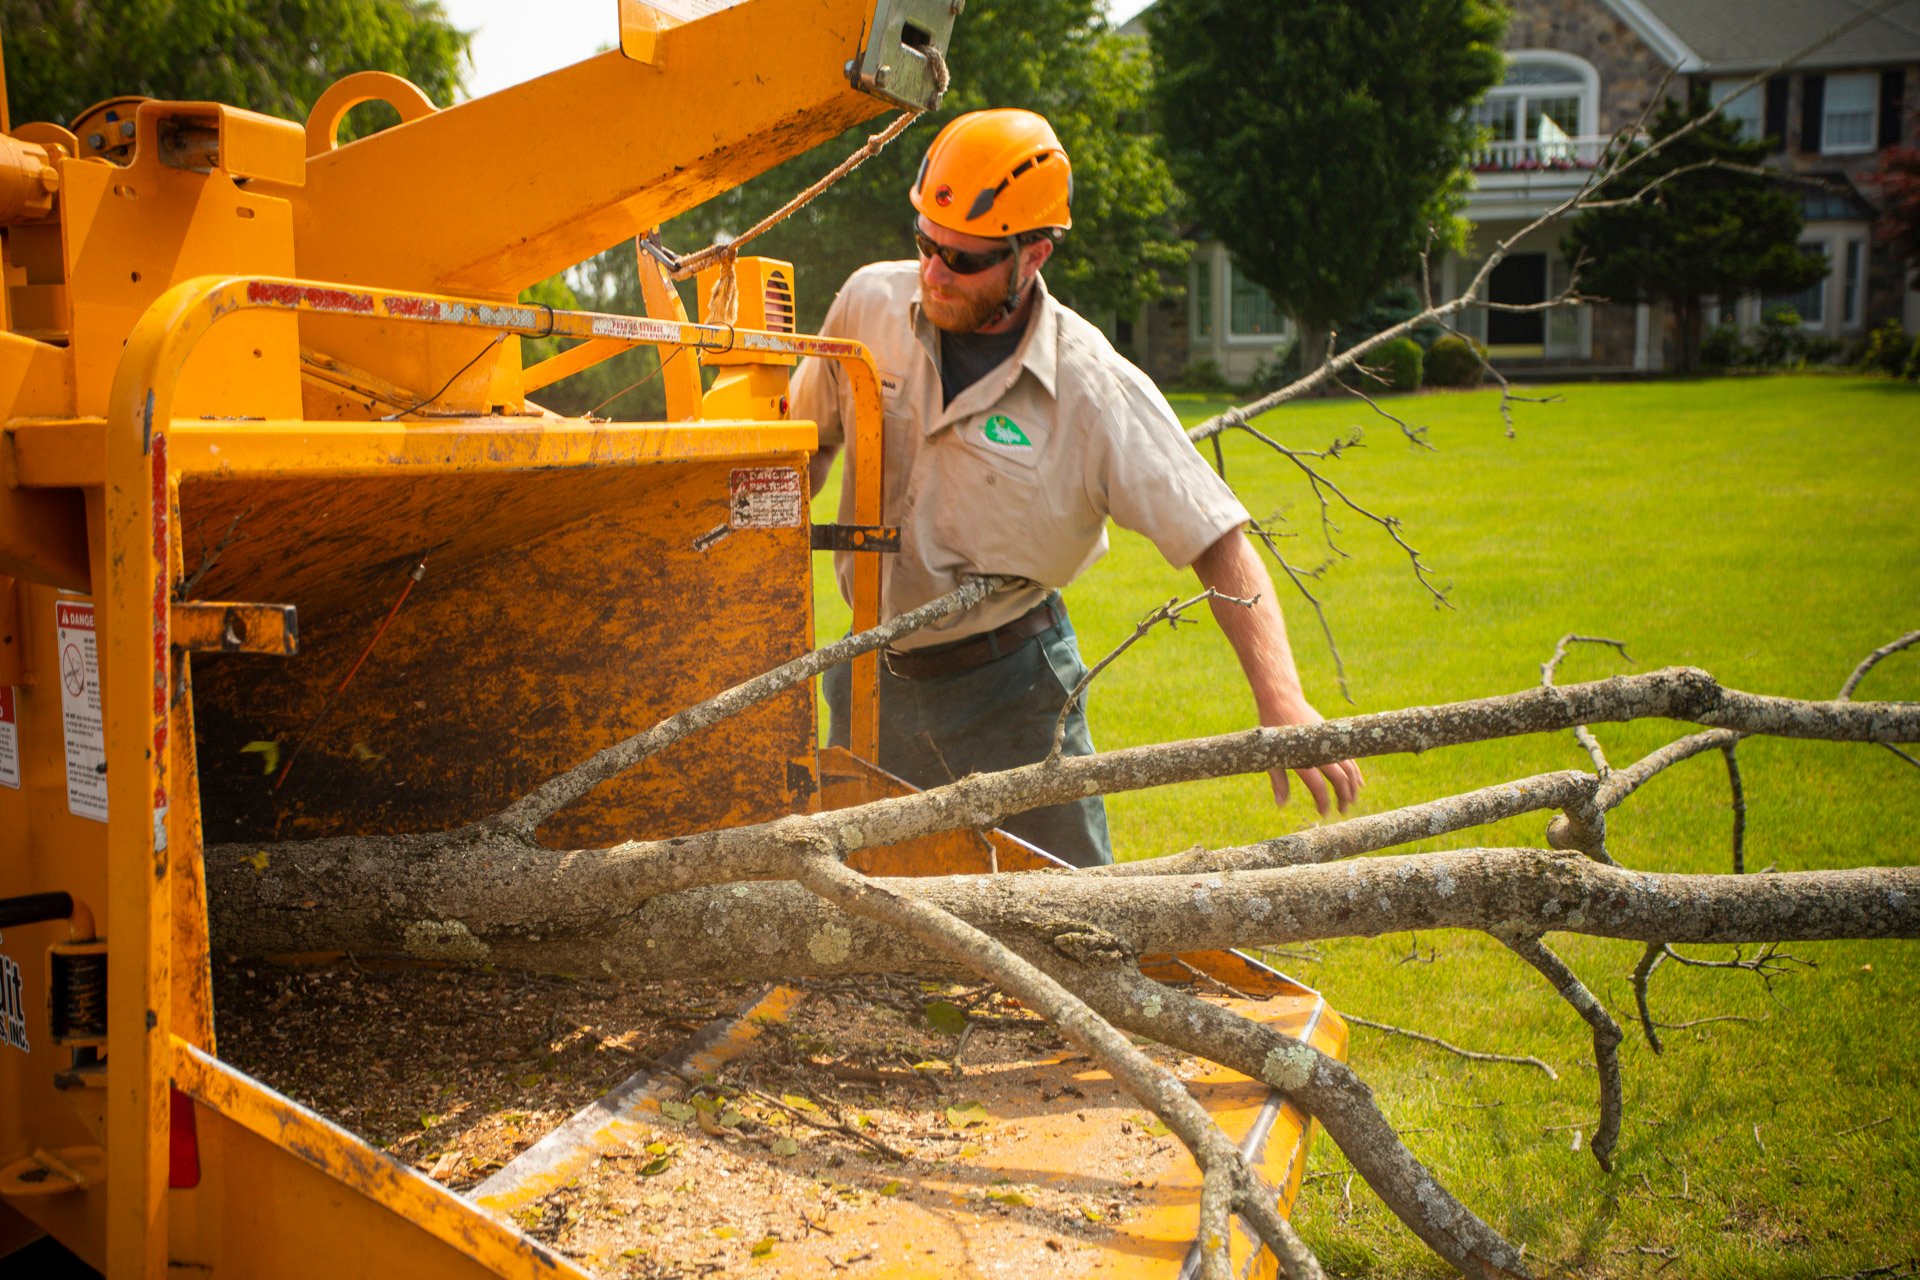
x=974 y=652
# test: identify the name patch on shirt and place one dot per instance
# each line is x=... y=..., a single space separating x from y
x=890 y=384
x=1005 y=432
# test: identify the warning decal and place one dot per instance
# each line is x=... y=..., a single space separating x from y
x=13 y=1009
x=9 y=738
x=85 y=727
x=765 y=498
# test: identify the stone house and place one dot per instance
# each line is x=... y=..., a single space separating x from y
x=1578 y=72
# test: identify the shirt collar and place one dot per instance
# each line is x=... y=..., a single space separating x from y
x=1039 y=352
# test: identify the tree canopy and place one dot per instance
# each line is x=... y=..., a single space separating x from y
x=274 y=56
x=1714 y=224
x=1322 y=140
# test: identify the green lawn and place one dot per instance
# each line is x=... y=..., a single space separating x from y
x=1763 y=529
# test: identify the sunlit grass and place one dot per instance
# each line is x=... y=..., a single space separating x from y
x=1763 y=529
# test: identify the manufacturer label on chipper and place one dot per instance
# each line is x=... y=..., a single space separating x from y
x=764 y=498
x=86 y=734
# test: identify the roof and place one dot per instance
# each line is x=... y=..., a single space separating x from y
x=1752 y=35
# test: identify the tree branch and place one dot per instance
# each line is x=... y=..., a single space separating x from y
x=524 y=816
x=1606 y=1036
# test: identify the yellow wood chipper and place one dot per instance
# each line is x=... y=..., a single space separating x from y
x=260 y=386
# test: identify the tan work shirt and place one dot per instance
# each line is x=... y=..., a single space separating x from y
x=1020 y=473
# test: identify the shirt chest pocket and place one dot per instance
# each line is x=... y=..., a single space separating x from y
x=992 y=508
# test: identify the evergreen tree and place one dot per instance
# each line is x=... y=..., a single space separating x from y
x=1323 y=141
x=1707 y=223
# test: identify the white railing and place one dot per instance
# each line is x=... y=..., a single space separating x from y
x=1549 y=156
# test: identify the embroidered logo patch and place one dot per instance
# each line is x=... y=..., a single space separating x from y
x=1000 y=429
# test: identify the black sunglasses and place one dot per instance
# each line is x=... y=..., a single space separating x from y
x=959 y=261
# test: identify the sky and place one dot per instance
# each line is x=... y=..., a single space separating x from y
x=515 y=41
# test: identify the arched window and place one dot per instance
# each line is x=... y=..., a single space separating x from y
x=1542 y=116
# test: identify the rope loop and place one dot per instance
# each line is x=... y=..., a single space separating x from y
x=725 y=253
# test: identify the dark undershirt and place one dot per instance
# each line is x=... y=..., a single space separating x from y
x=965 y=358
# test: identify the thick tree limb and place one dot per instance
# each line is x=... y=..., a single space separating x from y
x=493 y=883
x=775 y=929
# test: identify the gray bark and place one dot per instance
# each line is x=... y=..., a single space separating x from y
x=777 y=929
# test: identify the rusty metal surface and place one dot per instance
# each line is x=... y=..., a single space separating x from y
x=530 y=643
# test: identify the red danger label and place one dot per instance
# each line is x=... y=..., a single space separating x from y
x=764 y=498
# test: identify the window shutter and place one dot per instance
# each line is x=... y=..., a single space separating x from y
x=1893 y=95
x=1813 y=105
x=1776 y=121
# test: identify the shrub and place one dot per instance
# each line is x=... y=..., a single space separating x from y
x=1451 y=362
x=1283 y=367
x=1393 y=304
x=1886 y=350
x=1911 y=372
x=1722 y=349
x=1204 y=375
x=1398 y=362
x=1780 y=339
x=1818 y=348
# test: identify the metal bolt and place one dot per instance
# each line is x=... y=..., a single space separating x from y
x=881 y=76
x=98 y=141
x=126 y=127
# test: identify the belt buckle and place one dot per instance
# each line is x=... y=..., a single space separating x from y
x=886 y=660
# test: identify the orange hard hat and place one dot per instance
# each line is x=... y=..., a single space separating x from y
x=995 y=173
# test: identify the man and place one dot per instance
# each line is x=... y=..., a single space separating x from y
x=1013 y=431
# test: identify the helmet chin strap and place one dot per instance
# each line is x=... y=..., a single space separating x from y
x=1016 y=289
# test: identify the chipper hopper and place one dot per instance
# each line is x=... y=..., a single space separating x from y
x=266 y=415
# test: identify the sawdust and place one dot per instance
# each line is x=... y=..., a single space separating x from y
x=854 y=1134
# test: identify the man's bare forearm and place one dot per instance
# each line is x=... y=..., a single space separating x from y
x=1258 y=634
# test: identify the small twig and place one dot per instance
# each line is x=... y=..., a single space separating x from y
x=1170 y=613
x=1701 y=1022
x=1470 y=1054
x=1642 y=973
x=829 y=1126
x=1552 y=665
x=1862 y=1128
x=211 y=557
x=1739 y=795
x=1867 y=664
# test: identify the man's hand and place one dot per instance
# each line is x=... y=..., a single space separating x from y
x=1259 y=638
x=1329 y=783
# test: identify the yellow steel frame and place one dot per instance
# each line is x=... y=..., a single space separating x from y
x=145 y=450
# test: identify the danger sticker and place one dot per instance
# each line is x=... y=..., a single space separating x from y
x=76 y=641
x=13 y=1008
x=765 y=498
x=9 y=738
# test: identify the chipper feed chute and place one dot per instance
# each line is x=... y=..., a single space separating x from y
x=291 y=554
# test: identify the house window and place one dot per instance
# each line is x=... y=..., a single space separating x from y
x=1746 y=109
x=1854 y=283
x=1202 y=295
x=1810 y=302
x=1252 y=311
x=1541 y=116
x=1847 y=120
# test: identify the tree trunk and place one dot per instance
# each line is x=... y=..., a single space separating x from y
x=1687 y=316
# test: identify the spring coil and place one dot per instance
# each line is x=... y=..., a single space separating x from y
x=83 y=996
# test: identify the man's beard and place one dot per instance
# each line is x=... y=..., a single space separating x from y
x=964 y=315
